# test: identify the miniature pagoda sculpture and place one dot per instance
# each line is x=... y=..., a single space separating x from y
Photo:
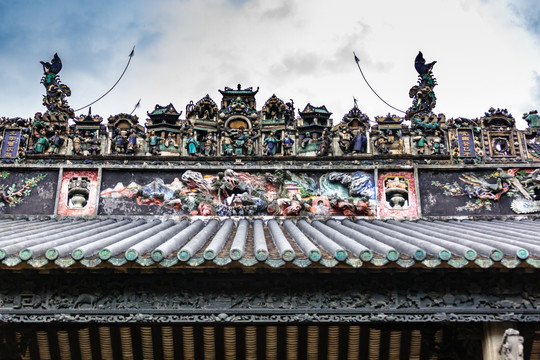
x=126 y=135
x=239 y=119
x=165 y=122
x=313 y=131
x=202 y=127
x=387 y=135
x=278 y=126
x=352 y=132
x=86 y=134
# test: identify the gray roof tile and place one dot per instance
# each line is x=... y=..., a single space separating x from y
x=271 y=243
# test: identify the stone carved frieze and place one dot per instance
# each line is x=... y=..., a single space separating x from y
x=282 y=298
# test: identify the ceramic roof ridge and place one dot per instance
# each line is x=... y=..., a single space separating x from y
x=150 y=243
x=505 y=228
x=95 y=247
x=41 y=248
x=432 y=249
x=25 y=241
x=65 y=249
x=260 y=247
x=197 y=242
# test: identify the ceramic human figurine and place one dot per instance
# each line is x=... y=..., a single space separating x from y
x=209 y=145
x=153 y=143
x=131 y=142
x=287 y=144
x=270 y=144
x=191 y=145
x=56 y=142
x=42 y=143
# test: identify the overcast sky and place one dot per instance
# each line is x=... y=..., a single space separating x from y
x=487 y=52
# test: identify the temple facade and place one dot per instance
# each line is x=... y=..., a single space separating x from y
x=252 y=231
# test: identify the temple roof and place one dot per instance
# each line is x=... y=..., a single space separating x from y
x=167 y=110
x=239 y=91
x=268 y=243
x=309 y=109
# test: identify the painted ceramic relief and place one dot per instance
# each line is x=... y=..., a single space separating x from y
x=232 y=193
x=15 y=194
x=27 y=192
x=482 y=191
x=78 y=193
x=397 y=194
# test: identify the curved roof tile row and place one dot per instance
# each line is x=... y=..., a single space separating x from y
x=273 y=243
